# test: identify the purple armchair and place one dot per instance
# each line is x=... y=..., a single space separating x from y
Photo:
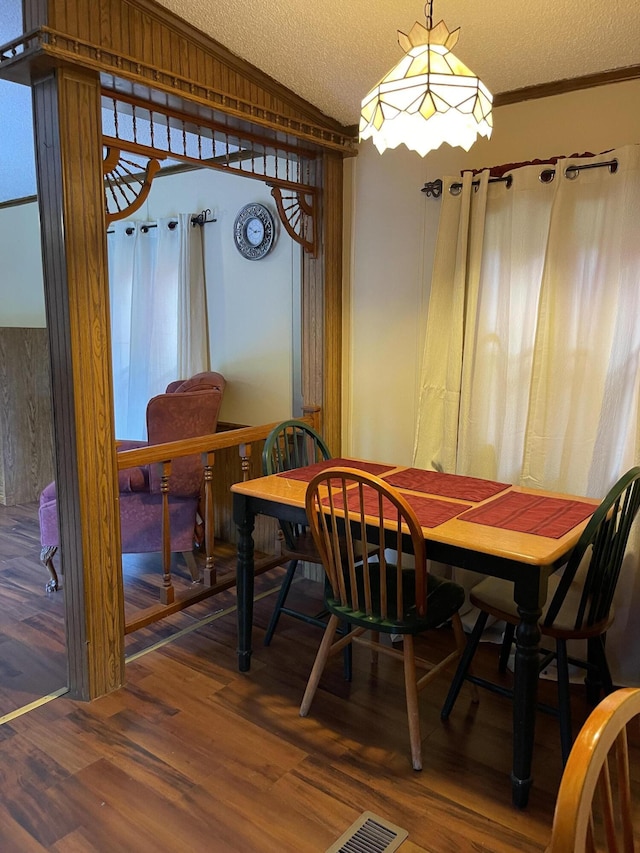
x=187 y=409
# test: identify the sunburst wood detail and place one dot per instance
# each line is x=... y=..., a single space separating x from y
x=125 y=187
x=297 y=211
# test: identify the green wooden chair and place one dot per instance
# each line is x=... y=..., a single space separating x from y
x=579 y=606
x=293 y=444
x=374 y=594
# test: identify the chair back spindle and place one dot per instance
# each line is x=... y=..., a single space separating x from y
x=362 y=579
x=603 y=544
x=293 y=444
x=594 y=809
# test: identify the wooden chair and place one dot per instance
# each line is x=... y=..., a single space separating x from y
x=374 y=594
x=293 y=444
x=599 y=760
x=579 y=607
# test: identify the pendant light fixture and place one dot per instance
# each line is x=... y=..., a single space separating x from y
x=429 y=97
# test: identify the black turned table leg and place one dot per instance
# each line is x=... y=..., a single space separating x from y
x=525 y=697
x=245 y=521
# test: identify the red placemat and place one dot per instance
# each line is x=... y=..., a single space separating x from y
x=429 y=512
x=309 y=471
x=447 y=485
x=526 y=513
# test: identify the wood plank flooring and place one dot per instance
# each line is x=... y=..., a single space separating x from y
x=33 y=659
x=192 y=755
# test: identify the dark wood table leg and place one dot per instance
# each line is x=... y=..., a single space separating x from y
x=525 y=697
x=245 y=521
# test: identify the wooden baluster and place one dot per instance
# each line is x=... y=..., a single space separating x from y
x=209 y=532
x=167 y=592
x=245 y=455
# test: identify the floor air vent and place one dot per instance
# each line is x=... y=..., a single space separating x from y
x=369 y=834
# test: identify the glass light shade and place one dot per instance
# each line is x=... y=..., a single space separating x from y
x=428 y=98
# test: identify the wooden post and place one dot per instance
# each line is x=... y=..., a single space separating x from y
x=245 y=455
x=313 y=412
x=209 y=520
x=167 y=592
x=68 y=144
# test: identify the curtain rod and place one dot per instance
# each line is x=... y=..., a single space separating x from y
x=434 y=188
x=199 y=219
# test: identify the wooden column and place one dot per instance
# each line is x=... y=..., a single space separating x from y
x=332 y=240
x=322 y=306
x=67 y=127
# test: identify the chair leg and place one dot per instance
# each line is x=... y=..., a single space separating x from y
x=463 y=666
x=319 y=665
x=375 y=638
x=282 y=596
x=411 y=689
x=505 y=648
x=192 y=565
x=602 y=682
x=347 y=655
x=461 y=645
x=564 y=700
x=47 y=554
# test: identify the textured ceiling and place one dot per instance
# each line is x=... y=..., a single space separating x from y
x=331 y=52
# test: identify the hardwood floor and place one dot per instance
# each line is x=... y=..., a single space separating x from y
x=33 y=660
x=191 y=755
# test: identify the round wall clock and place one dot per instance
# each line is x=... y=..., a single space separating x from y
x=254 y=231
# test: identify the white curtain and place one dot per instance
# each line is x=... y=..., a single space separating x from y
x=158 y=313
x=531 y=369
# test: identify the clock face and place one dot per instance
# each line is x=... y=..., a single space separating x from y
x=254 y=232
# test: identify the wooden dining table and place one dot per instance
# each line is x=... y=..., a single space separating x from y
x=488 y=527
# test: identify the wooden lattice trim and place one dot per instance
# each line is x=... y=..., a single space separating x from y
x=102 y=58
x=297 y=211
x=125 y=190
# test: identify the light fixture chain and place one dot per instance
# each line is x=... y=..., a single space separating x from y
x=428 y=13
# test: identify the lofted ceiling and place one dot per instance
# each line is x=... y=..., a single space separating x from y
x=332 y=52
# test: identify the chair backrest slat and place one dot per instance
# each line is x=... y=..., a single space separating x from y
x=624 y=790
x=594 y=809
x=605 y=537
x=292 y=444
x=349 y=511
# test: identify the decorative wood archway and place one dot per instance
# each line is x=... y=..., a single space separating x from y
x=145 y=133
x=73 y=54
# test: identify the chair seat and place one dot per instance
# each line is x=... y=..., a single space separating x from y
x=495 y=596
x=444 y=598
x=305 y=549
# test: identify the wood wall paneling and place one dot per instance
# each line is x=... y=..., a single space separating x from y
x=227 y=470
x=26 y=430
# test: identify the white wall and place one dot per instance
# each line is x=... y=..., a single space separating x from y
x=390 y=240
x=392 y=236
x=21 y=285
x=251 y=304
